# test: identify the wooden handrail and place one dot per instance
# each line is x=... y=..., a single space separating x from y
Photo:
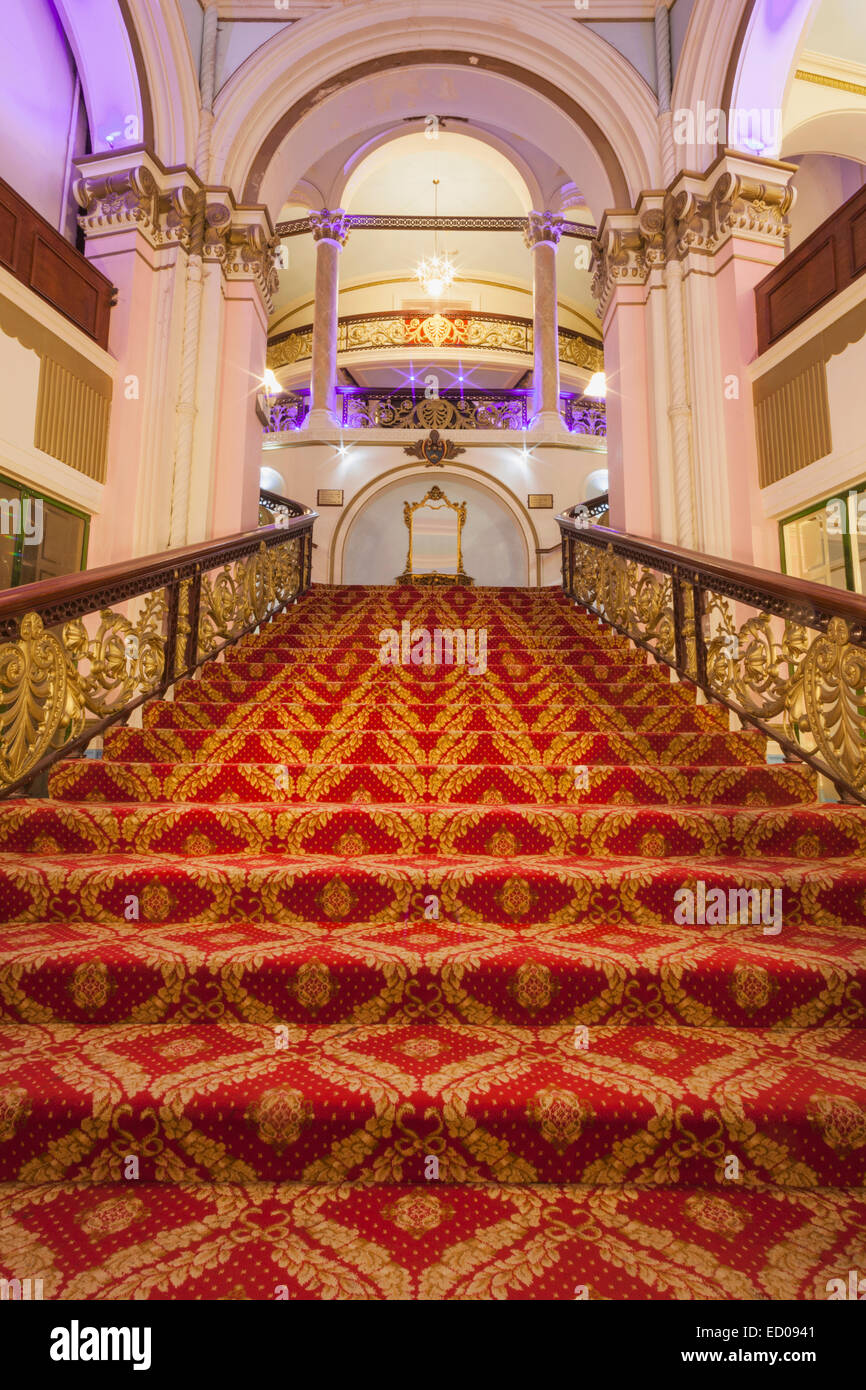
x=149 y=571
x=794 y=669
x=798 y=594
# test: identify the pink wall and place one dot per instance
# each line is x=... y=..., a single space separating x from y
x=128 y=261
x=754 y=539
x=628 y=417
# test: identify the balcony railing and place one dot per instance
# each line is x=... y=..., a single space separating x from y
x=477 y=331
x=361 y=408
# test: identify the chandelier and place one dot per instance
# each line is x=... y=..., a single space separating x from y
x=436 y=273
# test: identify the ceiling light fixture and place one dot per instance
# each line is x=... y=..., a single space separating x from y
x=436 y=273
x=596 y=389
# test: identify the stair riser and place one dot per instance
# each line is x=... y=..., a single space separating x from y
x=455 y=747
x=657 y=833
x=731 y=987
x=515 y=892
x=97 y=780
x=340 y=1104
x=496 y=718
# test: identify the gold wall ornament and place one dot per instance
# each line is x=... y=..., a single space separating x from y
x=434 y=450
x=436 y=500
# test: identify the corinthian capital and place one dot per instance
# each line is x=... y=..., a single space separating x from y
x=543 y=227
x=629 y=246
x=740 y=196
x=119 y=198
x=330 y=225
x=132 y=189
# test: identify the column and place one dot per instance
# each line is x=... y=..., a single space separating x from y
x=248 y=285
x=542 y=237
x=662 y=27
x=136 y=218
x=330 y=233
x=628 y=259
x=182 y=528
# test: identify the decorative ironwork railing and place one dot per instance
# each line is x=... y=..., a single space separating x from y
x=274 y=509
x=82 y=652
x=583 y=416
x=485 y=332
x=288 y=412
x=786 y=655
x=593 y=512
x=451 y=410
x=358 y=407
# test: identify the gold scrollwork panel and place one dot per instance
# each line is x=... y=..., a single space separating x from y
x=243 y=593
x=813 y=684
x=49 y=683
x=626 y=593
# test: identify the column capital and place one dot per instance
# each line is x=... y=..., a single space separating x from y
x=132 y=189
x=544 y=228
x=240 y=240
x=740 y=195
x=629 y=246
x=330 y=225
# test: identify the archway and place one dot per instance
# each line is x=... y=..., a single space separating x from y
x=371 y=547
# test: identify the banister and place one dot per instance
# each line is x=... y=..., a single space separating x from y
x=58 y=691
x=793 y=667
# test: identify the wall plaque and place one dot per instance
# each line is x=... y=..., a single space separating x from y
x=540 y=499
x=329 y=497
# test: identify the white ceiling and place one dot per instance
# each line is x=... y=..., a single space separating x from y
x=475 y=180
x=839 y=29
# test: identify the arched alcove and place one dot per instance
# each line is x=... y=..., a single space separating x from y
x=374 y=546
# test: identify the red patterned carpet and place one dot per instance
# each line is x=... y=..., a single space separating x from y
x=350 y=980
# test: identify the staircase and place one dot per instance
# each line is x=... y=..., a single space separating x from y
x=343 y=979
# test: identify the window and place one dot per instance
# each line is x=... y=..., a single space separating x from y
x=39 y=538
x=827 y=541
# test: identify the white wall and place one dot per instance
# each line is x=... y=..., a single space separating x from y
x=823 y=183
x=493 y=462
x=493 y=548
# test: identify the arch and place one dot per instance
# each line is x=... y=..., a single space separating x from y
x=527 y=187
x=170 y=71
x=104 y=43
x=409 y=471
x=840 y=132
x=280 y=109
x=763 y=69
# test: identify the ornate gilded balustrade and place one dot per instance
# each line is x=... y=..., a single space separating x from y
x=82 y=652
x=452 y=410
x=786 y=655
x=485 y=332
x=361 y=408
